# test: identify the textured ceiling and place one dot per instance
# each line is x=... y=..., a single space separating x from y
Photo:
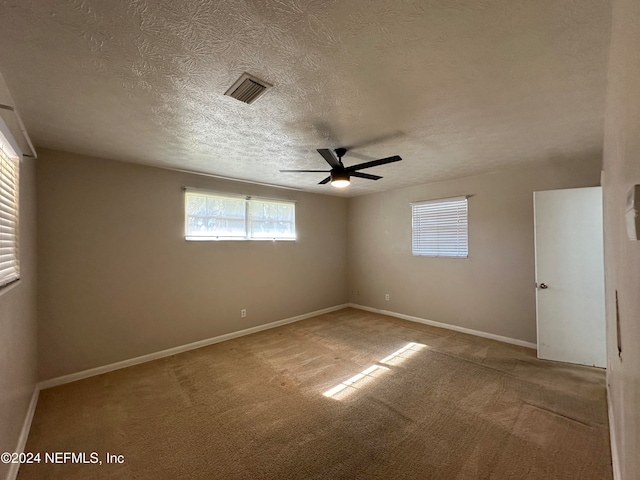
x=455 y=87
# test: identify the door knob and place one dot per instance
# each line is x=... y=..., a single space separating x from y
x=544 y=286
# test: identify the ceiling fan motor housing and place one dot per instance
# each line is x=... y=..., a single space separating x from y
x=339 y=174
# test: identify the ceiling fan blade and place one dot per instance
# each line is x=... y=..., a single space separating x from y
x=330 y=157
x=365 y=175
x=326 y=180
x=305 y=171
x=374 y=163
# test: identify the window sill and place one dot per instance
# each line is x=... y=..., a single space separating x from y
x=222 y=239
x=9 y=286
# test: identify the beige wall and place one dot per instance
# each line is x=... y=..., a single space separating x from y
x=622 y=256
x=18 y=325
x=118 y=280
x=493 y=290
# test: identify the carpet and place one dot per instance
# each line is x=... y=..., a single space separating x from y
x=349 y=394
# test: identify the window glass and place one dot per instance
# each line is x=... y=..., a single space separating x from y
x=215 y=216
x=211 y=216
x=272 y=219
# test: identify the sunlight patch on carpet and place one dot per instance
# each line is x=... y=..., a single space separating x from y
x=355 y=383
x=400 y=355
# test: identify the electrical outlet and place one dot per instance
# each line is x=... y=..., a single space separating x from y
x=386 y=297
x=243 y=312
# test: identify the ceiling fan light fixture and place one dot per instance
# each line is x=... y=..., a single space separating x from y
x=339 y=174
x=340 y=179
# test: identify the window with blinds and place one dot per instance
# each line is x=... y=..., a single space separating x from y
x=212 y=216
x=9 y=264
x=439 y=228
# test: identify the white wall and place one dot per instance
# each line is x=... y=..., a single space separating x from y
x=18 y=347
x=493 y=290
x=622 y=256
x=117 y=279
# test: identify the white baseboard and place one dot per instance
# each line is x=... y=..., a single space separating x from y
x=478 y=333
x=615 y=459
x=24 y=433
x=54 y=382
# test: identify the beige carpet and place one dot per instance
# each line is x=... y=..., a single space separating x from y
x=288 y=403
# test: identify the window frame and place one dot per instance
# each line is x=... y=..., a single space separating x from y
x=456 y=244
x=9 y=213
x=248 y=224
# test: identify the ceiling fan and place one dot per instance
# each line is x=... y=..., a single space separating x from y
x=339 y=175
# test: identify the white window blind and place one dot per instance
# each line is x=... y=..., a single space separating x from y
x=272 y=219
x=9 y=264
x=212 y=216
x=439 y=228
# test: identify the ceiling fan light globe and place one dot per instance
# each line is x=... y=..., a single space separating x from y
x=340 y=183
x=339 y=179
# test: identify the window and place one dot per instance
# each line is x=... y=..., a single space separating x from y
x=212 y=216
x=9 y=265
x=439 y=228
x=272 y=219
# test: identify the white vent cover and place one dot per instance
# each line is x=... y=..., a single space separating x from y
x=247 y=88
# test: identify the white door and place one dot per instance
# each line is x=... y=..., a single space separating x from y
x=570 y=276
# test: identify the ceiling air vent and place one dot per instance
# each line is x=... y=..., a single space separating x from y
x=247 y=88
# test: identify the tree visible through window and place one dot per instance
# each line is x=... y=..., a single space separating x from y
x=211 y=216
x=439 y=228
